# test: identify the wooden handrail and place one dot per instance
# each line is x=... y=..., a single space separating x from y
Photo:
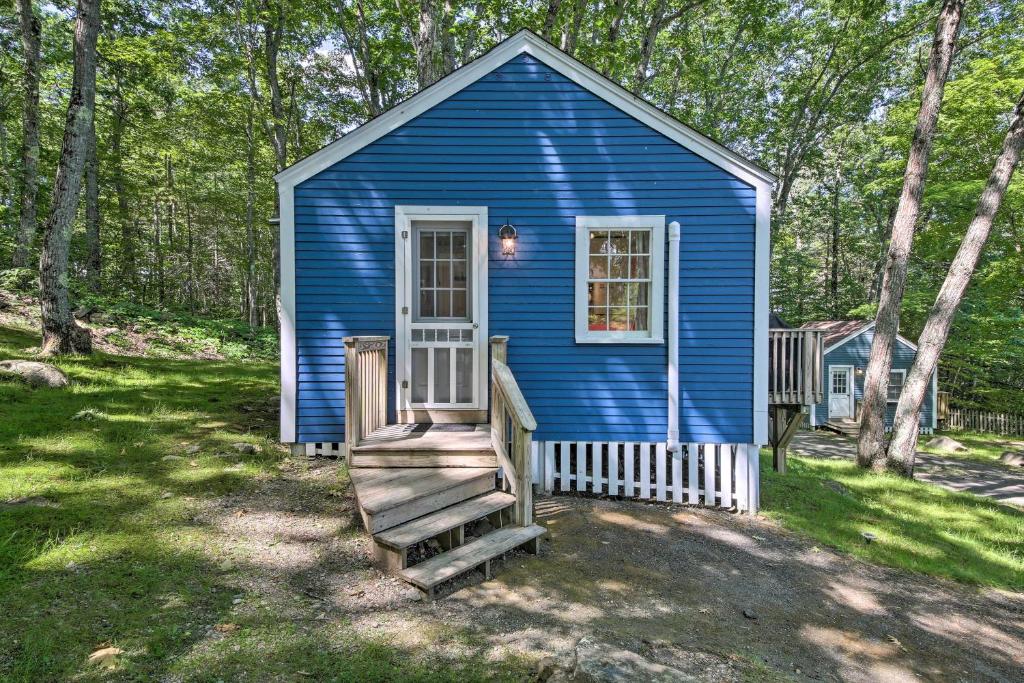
x=512 y=427
x=366 y=387
x=520 y=412
x=795 y=360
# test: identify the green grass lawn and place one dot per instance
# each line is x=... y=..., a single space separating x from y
x=984 y=448
x=919 y=526
x=101 y=544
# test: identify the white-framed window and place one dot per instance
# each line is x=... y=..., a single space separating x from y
x=620 y=262
x=897 y=378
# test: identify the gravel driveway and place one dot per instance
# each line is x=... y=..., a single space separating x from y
x=696 y=594
x=999 y=483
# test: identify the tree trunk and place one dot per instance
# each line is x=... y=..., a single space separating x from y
x=158 y=251
x=274 y=33
x=571 y=32
x=31 y=34
x=614 y=26
x=903 y=448
x=60 y=332
x=424 y=41
x=871 y=440
x=659 y=20
x=550 y=18
x=833 y=281
x=129 y=272
x=94 y=254
x=447 y=40
x=249 y=305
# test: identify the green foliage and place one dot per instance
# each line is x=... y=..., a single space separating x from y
x=919 y=527
x=20 y=280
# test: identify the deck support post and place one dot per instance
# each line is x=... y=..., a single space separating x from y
x=784 y=424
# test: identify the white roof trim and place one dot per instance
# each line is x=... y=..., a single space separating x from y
x=529 y=43
x=870 y=326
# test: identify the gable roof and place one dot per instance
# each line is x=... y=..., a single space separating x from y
x=838 y=332
x=527 y=42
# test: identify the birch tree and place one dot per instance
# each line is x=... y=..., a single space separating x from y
x=903 y=448
x=871 y=439
x=60 y=332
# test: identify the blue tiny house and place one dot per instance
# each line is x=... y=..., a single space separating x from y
x=527 y=244
x=847 y=349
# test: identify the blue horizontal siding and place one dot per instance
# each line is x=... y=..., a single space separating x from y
x=856 y=352
x=536 y=148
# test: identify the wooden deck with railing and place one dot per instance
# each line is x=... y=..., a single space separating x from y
x=795 y=367
x=795 y=381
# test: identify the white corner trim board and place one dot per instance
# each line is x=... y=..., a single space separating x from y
x=289 y=362
x=762 y=246
x=674 y=234
x=526 y=42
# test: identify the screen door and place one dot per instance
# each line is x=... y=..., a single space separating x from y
x=444 y=354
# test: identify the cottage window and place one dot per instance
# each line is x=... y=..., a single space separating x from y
x=619 y=284
x=897 y=378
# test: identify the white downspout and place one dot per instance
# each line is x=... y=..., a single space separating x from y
x=673 y=335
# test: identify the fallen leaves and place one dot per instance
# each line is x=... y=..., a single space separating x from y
x=226 y=628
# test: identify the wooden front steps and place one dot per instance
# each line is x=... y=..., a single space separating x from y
x=844 y=426
x=390 y=496
x=425 y=488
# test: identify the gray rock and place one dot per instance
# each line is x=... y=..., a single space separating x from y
x=168 y=458
x=193 y=449
x=1014 y=458
x=243 y=447
x=945 y=444
x=750 y=614
x=35 y=373
x=603 y=663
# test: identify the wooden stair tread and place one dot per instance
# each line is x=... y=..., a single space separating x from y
x=442 y=567
x=382 y=489
x=431 y=525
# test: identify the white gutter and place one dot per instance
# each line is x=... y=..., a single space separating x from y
x=673 y=335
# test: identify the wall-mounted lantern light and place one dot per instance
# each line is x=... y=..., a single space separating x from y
x=507 y=235
x=859 y=372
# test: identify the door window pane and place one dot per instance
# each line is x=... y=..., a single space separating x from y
x=464 y=375
x=442 y=376
x=419 y=375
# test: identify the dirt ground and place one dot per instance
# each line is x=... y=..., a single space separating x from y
x=670 y=584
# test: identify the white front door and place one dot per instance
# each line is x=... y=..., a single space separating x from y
x=441 y=304
x=840 y=391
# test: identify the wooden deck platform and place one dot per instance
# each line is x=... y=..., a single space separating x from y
x=414 y=445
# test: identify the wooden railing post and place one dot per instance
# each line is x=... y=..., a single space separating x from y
x=366 y=387
x=499 y=348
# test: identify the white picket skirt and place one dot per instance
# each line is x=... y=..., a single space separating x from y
x=714 y=475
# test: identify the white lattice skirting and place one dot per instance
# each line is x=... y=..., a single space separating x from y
x=714 y=475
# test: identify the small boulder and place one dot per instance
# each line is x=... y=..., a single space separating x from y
x=193 y=449
x=944 y=444
x=604 y=663
x=35 y=373
x=243 y=447
x=1013 y=458
x=170 y=458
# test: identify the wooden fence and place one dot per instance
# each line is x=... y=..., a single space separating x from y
x=715 y=475
x=965 y=419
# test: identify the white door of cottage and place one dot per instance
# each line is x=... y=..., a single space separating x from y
x=441 y=308
x=840 y=391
